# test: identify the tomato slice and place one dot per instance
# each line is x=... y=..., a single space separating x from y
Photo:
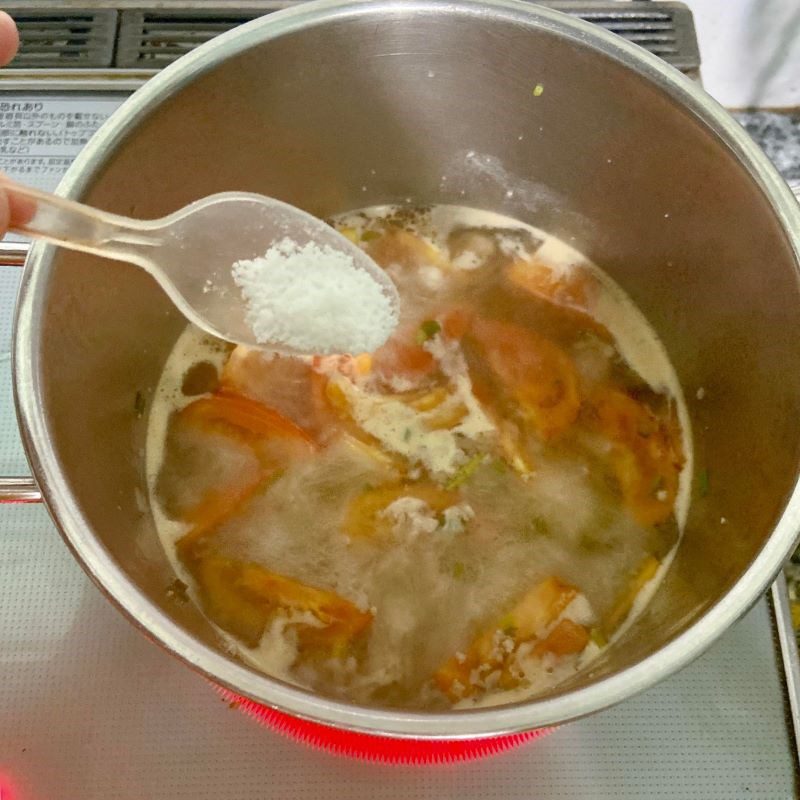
x=273 y=438
x=494 y=649
x=399 y=247
x=248 y=418
x=647 y=453
x=533 y=371
x=217 y=505
x=243 y=598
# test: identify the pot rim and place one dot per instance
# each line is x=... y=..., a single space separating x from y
x=111 y=579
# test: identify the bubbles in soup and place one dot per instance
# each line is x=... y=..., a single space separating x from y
x=467 y=515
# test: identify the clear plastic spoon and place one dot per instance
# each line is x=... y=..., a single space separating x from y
x=191 y=252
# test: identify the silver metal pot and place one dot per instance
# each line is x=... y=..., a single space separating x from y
x=336 y=105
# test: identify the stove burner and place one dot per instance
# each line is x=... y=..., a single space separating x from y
x=380 y=749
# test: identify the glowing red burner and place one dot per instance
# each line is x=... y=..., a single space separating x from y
x=6 y=788
x=378 y=748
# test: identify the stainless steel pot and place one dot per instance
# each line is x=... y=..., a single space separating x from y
x=335 y=105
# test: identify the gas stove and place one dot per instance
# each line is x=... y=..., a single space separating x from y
x=90 y=709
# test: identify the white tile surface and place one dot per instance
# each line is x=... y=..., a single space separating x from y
x=12 y=457
x=91 y=710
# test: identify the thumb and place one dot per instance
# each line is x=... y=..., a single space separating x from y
x=9 y=38
x=15 y=210
x=4 y=212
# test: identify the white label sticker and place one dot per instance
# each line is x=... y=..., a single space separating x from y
x=41 y=134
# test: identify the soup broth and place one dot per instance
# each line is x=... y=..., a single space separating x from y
x=467 y=515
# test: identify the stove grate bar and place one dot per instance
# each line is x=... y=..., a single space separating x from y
x=64 y=37
x=151 y=34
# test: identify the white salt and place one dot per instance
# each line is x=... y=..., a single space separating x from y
x=314 y=300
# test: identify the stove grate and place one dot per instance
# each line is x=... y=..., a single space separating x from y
x=154 y=33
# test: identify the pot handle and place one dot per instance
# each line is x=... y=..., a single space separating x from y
x=13 y=254
x=18 y=489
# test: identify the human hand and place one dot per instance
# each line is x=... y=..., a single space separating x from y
x=9 y=42
x=9 y=39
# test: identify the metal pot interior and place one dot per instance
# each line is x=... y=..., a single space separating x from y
x=334 y=107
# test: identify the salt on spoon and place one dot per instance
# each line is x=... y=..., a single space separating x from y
x=313 y=298
x=246 y=268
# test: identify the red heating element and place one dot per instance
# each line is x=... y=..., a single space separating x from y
x=381 y=749
x=6 y=788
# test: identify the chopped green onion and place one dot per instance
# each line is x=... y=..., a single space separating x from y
x=703 y=483
x=538 y=90
x=464 y=473
x=536 y=528
x=658 y=484
x=277 y=475
x=406 y=434
x=177 y=590
x=428 y=330
x=139 y=405
x=597 y=636
x=458 y=570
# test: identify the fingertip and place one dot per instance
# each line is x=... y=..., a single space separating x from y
x=9 y=38
x=4 y=212
x=20 y=210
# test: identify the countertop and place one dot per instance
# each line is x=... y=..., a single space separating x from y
x=778 y=133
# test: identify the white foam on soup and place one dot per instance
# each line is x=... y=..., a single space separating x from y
x=635 y=341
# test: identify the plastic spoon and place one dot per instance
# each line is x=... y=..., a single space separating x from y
x=191 y=252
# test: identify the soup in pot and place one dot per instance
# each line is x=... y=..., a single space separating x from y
x=466 y=516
